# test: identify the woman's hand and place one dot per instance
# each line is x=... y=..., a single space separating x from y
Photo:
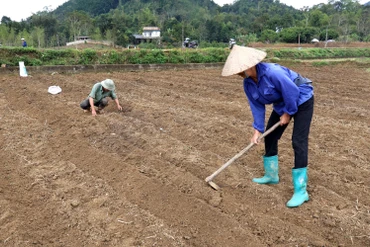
x=255 y=137
x=284 y=119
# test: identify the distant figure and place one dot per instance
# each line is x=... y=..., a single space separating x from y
x=24 y=43
x=97 y=97
x=190 y=44
x=232 y=42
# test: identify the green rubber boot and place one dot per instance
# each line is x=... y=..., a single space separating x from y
x=300 y=188
x=271 y=166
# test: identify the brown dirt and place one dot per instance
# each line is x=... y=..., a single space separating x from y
x=136 y=178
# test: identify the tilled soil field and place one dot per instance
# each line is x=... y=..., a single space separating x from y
x=136 y=177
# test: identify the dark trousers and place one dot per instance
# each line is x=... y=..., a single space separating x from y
x=101 y=104
x=301 y=130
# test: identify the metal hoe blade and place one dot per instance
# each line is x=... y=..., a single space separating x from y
x=214 y=185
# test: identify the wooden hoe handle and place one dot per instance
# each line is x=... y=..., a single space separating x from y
x=210 y=178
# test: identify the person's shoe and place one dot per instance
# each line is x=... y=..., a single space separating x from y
x=271 y=166
x=300 y=188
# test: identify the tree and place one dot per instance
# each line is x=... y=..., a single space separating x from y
x=38 y=35
x=104 y=23
x=121 y=33
x=6 y=20
x=146 y=18
x=328 y=34
x=197 y=19
x=318 y=19
x=48 y=23
x=290 y=35
x=269 y=36
x=79 y=23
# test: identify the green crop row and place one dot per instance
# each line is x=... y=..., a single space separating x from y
x=320 y=53
x=38 y=57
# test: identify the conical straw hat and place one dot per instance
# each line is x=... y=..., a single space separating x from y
x=242 y=58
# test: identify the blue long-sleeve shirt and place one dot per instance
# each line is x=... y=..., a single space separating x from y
x=275 y=86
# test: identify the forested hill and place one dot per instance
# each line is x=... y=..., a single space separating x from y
x=168 y=7
x=245 y=20
x=200 y=19
x=245 y=6
x=92 y=7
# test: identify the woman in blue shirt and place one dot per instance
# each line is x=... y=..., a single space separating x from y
x=291 y=96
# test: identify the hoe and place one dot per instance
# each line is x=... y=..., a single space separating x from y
x=210 y=178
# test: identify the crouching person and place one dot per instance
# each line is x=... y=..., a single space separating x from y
x=98 y=97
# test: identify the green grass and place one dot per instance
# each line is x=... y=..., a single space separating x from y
x=39 y=57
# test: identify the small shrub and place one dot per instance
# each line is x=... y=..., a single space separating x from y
x=88 y=56
x=155 y=56
x=175 y=56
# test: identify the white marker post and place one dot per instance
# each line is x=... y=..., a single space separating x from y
x=22 y=70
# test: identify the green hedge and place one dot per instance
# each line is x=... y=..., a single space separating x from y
x=34 y=57
x=317 y=53
x=38 y=57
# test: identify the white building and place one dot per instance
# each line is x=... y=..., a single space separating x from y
x=149 y=34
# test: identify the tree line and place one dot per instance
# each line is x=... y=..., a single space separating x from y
x=245 y=20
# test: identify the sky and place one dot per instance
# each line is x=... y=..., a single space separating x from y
x=22 y=9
